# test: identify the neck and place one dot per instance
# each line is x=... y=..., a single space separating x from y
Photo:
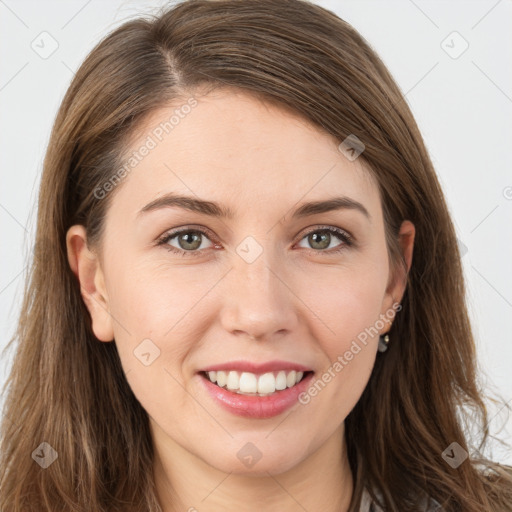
x=322 y=481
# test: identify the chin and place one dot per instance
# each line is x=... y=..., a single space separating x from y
x=251 y=460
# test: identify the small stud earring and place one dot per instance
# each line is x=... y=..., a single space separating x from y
x=383 y=343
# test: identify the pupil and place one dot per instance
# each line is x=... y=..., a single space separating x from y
x=186 y=240
x=325 y=236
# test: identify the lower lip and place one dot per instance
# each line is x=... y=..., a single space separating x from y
x=252 y=406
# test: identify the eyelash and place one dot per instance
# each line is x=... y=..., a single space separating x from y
x=340 y=233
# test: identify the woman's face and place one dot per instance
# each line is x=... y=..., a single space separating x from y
x=268 y=283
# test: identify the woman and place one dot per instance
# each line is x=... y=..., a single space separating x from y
x=246 y=290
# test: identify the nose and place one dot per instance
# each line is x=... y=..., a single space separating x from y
x=259 y=301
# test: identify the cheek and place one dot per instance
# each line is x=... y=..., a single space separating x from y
x=161 y=311
x=347 y=302
x=156 y=300
x=352 y=314
x=154 y=321
x=347 y=337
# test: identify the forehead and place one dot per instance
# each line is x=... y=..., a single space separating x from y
x=230 y=146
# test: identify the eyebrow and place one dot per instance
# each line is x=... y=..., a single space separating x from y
x=215 y=210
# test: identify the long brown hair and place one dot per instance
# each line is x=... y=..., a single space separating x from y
x=69 y=390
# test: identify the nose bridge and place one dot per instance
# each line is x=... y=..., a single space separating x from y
x=255 y=269
x=258 y=301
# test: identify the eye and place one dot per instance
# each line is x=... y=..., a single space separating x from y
x=189 y=241
x=321 y=237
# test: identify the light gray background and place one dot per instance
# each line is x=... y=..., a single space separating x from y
x=463 y=107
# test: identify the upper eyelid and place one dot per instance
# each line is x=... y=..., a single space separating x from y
x=171 y=233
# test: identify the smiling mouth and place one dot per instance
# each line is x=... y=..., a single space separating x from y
x=247 y=383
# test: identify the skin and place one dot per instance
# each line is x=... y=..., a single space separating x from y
x=262 y=162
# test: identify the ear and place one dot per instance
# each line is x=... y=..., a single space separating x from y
x=86 y=267
x=398 y=281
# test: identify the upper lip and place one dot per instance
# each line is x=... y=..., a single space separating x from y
x=248 y=366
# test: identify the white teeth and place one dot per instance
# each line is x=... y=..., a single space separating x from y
x=233 y=382
x=222 y=378
x=281 y=381
x=250 y=383
x=290 y=378
x=266 y=383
